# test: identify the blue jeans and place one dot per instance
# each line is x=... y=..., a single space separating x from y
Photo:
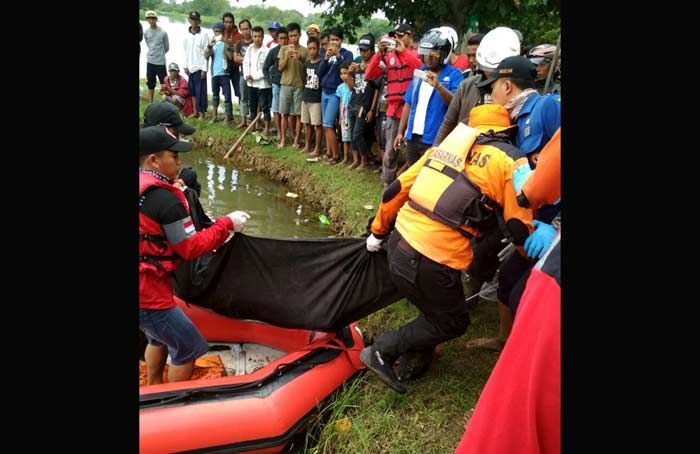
x=329 y=109
x=198 y=89
x=223 y=82
x=172 y=328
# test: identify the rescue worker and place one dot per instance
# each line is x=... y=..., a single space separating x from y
x=538 y=117
x=459 y=190
x=167 y=234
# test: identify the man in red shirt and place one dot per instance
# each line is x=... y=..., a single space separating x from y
x=400 y=61
x=167 y=235
x=231 y=37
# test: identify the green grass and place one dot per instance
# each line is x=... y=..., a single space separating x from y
x=431 y=417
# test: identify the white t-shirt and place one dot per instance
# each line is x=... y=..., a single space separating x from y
x=424 y=93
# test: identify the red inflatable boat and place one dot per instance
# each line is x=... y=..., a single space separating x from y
x=274 y=380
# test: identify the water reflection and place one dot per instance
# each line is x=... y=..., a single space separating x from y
x=226 y=188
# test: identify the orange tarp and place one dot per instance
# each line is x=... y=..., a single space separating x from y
x=204 y=367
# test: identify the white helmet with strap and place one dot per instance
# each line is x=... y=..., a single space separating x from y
x=499 y=43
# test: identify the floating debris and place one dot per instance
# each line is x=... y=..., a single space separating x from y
x=259 y=138
x=324 y=219
x=368 y=207
x=299 y=210
x=293 y=195
x=248 y=169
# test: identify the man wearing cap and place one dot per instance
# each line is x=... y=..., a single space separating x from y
x=313 y=31
x=400 y=61
x=363 y=104
x=538 y=117
x=451 y=194
x=165 y=114
x=175 y=90
x=158 y=46
x=216 y=53
x=195 y=65
x=272 y=27
x=167 y=235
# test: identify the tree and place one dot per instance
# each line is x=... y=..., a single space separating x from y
x=210 y=7
x=149 y=4
x=530 y=16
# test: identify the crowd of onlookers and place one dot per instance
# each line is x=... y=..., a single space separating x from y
x=382 y=108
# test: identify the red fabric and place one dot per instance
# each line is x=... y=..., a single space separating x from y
x=520 y=407
x=155 y=286
x=234 y=36
x=461 y=62
x=398 y=67
x=182 y=89
x=188 y=108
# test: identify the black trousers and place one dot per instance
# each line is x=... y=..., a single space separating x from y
x=485 y=262
x=362 y=134
x=437 y=292
x=259 y=98
x=415 y=149
x=512 y=279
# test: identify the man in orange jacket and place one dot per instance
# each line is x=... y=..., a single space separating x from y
x=453 y=193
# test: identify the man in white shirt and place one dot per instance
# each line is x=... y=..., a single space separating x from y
x=259 y=89
x=195 y=65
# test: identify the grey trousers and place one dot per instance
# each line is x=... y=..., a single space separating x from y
x=391 y=156
x=244 y=97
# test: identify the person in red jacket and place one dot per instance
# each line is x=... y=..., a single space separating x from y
x=400 y=61
x=519 y=409
x=167 y=235
x=175 y=90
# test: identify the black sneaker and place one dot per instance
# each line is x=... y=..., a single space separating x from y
x=371 y=358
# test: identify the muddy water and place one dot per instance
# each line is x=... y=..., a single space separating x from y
x=226 y=188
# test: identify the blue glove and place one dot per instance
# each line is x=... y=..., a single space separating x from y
x=520 y=174
x=539 y=240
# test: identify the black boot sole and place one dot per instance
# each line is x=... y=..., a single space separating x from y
x=366 y=358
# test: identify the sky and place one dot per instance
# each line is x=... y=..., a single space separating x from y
x=303 y=6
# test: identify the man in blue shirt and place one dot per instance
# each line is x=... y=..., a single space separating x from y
x=538 y=117
x=428 y=95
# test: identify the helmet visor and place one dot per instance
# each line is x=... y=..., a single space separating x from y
x=539 y=60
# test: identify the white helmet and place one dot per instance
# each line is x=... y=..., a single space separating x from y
x=499 y=43
x=451 y=35
x=437 y=39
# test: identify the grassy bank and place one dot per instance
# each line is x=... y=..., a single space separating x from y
x=368 y=417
